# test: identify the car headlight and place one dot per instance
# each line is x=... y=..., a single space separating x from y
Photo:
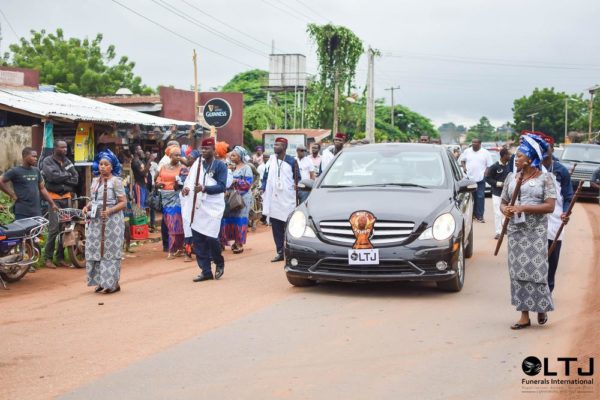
x=442 y=228
x=297 y=224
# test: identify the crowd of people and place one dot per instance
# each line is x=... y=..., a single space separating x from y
x=206 y=197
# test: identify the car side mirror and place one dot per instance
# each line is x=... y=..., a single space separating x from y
x=306 y=185
x=467 y=186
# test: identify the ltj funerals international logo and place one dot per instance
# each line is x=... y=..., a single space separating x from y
x=561 y=375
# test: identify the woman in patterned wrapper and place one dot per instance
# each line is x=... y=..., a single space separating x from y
x=103 y=266
x=527 y=231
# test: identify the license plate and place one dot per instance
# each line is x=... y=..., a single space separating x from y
x=363 y=257
x=586 y=184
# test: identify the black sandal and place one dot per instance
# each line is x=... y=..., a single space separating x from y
x=518 y=326
x=99 y=289
x=542 y=318
x=109 y=291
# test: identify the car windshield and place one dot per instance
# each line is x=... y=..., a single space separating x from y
x=386 y=167
x=589 y=154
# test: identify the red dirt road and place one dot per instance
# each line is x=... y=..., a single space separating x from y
x=56 y=337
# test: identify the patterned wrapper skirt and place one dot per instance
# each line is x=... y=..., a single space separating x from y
x=528 y=264
x=104 y=270
x=173 y=220
x=234 y=226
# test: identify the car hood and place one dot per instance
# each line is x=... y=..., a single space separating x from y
x=389 y=204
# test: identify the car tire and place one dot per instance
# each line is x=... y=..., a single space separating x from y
x=300 y=282
x=456 y=284
x=469 y=248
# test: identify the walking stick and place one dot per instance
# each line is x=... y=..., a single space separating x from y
x=105 y=191
x=506 y=220
x=195 y=193
x=562 y=225
x=572 y=169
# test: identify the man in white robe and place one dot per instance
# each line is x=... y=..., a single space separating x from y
x=332 y=151
x=207 y=182
x=279 y=187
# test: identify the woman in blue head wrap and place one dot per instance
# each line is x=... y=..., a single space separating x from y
x=527 y=231
x=234 y=226
x=103 y=265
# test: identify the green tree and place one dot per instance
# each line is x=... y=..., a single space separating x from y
x=260 y=116
x=338 y=51
x=76 y=66
x=483 y=130
x=251 y=84
x=550 y=108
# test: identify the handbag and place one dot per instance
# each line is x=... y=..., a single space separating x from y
x=235 y=201
x=155 y=200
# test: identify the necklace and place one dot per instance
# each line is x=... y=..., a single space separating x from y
x=525 y=179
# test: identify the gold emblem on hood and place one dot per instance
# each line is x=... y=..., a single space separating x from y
x=362 y=223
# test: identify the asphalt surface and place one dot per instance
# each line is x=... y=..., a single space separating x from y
x=252 y=336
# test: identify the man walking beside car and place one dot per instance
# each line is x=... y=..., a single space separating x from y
x=279 y=186
x=332 y=151
x=475 y=160
x=495 y=176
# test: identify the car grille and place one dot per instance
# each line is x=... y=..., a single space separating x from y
x=386 y=267
x=384 y=232
x=581 y=175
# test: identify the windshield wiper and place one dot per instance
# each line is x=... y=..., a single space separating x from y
x=333 y=186
x=393 y=184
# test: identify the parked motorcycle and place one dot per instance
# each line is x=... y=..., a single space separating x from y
x=18 y=250
x=72 y=234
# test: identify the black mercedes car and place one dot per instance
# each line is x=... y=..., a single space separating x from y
x=586 y=159
x=384 y=212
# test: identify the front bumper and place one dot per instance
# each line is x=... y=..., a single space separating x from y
x=317 y=260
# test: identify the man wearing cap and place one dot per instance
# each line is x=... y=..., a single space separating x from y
x=564 y=194
x=330 y=152
x=279 y=185
x=306 y=168
x=206 y=212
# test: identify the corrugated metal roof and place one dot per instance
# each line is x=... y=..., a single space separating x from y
x=129 y=99
x=76 y=108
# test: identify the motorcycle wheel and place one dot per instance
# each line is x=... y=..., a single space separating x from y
x=77 y=251
x=16 y=272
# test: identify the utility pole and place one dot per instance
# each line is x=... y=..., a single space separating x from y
x=195 y=86
x=591 y=107
x=370 y=123
x=392 y=110
x=532 y=121
x=566 y=117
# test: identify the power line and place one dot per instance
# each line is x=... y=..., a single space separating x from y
x=200 y=24
x=9 y=24
x=182 y=36
x=312 y=10
x=283 y=10
x=226 y=24
x=464 y=60
x=296 y=10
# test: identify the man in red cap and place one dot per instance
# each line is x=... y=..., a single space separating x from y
x=329 y=153
x=206 y=182
x=279 y=192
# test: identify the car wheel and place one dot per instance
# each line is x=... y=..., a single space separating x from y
x=300 y=282
x=456 y=284
x=469 y=248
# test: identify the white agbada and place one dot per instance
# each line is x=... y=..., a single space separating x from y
x=279 y=198
x=327 y=157
x=554 y=220
x=209 y=207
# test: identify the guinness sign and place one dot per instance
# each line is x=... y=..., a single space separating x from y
x=217 y=112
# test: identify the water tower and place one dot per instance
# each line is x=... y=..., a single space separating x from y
x=287 y=74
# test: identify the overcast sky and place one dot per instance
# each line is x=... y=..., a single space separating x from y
x=455 y=60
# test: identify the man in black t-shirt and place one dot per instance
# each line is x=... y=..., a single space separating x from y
x=27 y=185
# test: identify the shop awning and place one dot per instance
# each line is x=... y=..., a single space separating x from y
x=70 y=107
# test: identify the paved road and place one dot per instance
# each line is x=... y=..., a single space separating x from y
x=251 y=335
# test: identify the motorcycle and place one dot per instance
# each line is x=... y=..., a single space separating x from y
x=72 y=234
x=18 y=250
